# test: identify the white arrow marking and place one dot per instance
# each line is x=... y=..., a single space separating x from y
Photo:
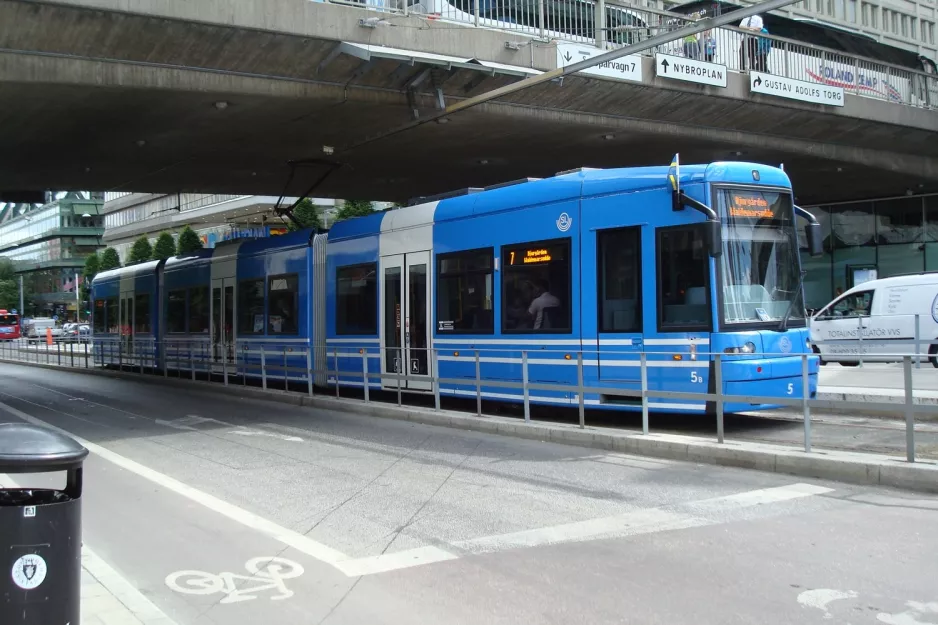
x=820 y=597
x=283 y=437
x=910 y=617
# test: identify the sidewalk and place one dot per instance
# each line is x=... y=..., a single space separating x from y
x=109 y=599
x=106 y=597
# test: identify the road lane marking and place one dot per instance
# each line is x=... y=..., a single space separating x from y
x=646 y=521
x=649 y=520
x=394 y=561
x=298 y=541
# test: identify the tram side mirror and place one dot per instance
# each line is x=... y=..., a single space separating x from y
x=714 y=234
x=815 y=240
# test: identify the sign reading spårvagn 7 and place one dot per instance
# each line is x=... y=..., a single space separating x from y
x=625 y=68
x=795 y=89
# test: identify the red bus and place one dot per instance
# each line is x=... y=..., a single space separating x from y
x=9 y=326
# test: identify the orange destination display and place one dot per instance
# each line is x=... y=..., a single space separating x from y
x=750 y=206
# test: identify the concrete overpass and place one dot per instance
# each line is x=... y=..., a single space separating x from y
x=218 y=95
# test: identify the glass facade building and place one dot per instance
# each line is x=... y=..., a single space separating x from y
x=862 y=240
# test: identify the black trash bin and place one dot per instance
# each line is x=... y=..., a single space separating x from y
x=40 y=529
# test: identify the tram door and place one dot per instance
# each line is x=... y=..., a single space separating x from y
x=405 y=326
x=223 y=294
x=126 y=327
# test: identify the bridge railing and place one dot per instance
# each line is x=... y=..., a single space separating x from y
x=621 y=23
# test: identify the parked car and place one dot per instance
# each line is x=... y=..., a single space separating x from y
x=76 y=332
x=877 y=319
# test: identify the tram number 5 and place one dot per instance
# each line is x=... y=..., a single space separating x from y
x=696 y=379
x=791 y=388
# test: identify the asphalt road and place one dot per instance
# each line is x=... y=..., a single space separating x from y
x=190 y=494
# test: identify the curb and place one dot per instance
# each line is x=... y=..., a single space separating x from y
x=851 y=467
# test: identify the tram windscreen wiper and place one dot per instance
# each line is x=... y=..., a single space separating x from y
x=784 y=323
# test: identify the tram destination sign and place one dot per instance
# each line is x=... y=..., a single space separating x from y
x=792 y=89
x=690 y=70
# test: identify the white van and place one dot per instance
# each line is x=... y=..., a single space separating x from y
x=36 y=329
x=877 y=319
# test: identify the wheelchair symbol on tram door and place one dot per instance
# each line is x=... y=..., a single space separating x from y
x=265 y=573
x=414 y=365
x=397 y=365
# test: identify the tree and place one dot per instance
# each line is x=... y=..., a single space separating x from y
x=165 y=247
x=307 y=214
x=188 y=242
x=109 y=260
x=140 y=252
x=354 y=208
x=9 y=286
x=92 y=265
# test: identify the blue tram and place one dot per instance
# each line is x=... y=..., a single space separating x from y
x=598 y=266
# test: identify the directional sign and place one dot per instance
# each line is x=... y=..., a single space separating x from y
x=795 y=89
x=690 y=70
x=624 y=68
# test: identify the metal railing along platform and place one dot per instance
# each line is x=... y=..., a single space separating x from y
x=302 y=368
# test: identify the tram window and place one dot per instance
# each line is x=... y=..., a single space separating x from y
x=620 y=280
x=176 y=311
x=465 y=292
x=536 y=287
x=683 y=285
x=251 y=307
x=356 y=301
x=283 y=293
x=97 y=316
x=142 y=313
x=113 y=323
x=198 y=310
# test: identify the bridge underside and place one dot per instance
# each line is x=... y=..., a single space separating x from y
x=93 y=112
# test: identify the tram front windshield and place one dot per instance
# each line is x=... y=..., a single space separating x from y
x=759 y=267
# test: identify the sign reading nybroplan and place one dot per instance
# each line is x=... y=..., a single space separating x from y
x=625 y=68
x=795 y=89
x=690 y=70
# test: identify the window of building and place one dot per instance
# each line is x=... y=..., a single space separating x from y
x=852 y=11
x=620 y=280
x=464 y=302
x=905 y=25
x=853 y=237
x=899 y=235
x=536 y=294
x=97 y=316
x=142 y=313
x=683 y=279
x=176 y=311
x=284 y=298
x=924 y=29
x=895 y=21
x=819 y=6
x=251 y=307
x=931 y=33
x=198 y=310
x=839 y=9
x=356 y=302
x=874 y=16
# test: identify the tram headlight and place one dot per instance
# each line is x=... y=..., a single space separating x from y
x=746 y=348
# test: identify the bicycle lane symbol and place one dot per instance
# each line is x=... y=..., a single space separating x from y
x=266 y=573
